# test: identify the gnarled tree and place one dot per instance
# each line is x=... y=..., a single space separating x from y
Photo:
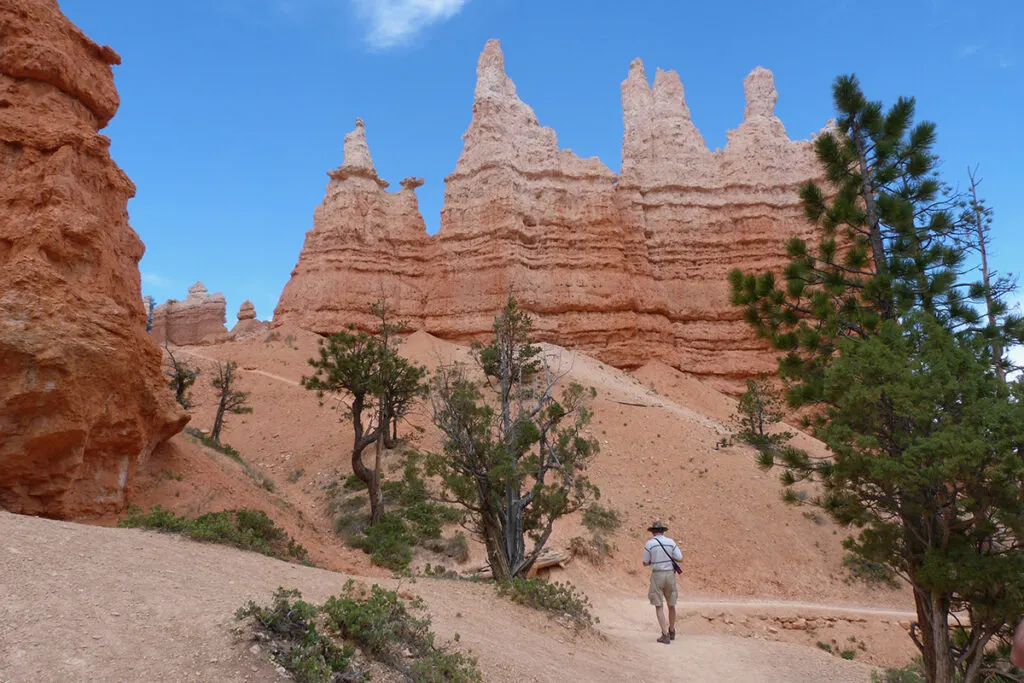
x=181 y=375
x=229 y=398
x=381 y=386
x=514 y=455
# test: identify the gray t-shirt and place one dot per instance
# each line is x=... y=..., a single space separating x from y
x=661 y=556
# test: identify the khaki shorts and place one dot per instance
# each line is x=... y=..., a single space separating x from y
x=663 y=583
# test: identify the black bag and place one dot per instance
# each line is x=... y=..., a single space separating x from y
x=675 y=567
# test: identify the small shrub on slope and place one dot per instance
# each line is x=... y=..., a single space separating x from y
x=601 y=520
x=561 y=600
x=246 y=529
x=295 y=642
x=378 y=623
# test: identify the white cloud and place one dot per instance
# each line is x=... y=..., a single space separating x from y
x=155 y=280
x=395 y=22
x=969 y=50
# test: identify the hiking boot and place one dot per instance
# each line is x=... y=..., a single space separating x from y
x=671 y=634
x=665 y=638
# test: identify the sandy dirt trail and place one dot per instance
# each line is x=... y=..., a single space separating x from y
x=83 y=603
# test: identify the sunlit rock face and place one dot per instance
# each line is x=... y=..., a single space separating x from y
x=82 y=397
x=629 y=267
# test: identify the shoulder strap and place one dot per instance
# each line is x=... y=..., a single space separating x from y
x=670 y=558
x=666 y=551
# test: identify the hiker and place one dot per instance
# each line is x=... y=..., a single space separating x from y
x=661 y=554
x=1017 y=651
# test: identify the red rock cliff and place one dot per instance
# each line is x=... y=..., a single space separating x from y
x=630 y=268
x=81 y=393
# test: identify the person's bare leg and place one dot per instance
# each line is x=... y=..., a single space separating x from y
x=671 y=617
x=662 y=621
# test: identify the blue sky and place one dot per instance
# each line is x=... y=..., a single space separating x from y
x=232 y=111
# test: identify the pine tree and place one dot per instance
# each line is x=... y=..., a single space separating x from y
x=514 y=456
x=382 y=386
x=1002 y=325
x=760 y=408
x=892 y=361
x=888 y=242
x=229 y=398
x=181 y=375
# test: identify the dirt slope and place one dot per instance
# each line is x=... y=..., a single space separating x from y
x=94 y=604
x=658 y=430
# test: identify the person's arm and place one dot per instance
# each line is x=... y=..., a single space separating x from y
x=677 y=553
x=1017 y=651
x=647 y=556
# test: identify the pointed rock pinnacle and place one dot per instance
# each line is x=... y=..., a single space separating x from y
x=759 y=87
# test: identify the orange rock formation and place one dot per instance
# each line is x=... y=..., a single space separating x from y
x=248 y=327
x=199 y=319
x=629 y=267
x=82 y=398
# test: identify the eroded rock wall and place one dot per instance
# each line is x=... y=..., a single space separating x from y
x=199 y=319
x=630 y=268
x=82 y=398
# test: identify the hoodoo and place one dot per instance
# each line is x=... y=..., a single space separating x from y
x=199 y=319
x=629 y=267
x=82 y=397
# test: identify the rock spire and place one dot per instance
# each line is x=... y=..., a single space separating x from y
x=631 y=267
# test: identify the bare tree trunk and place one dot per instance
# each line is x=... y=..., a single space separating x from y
x=376 y=500
x=360 y=442
x=494 y=540
x=986 y=277
x=873 y=217
x=932 y=611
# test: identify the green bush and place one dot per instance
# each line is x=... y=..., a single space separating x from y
x=911 y=673
x=378 y=622
x=387 y=629
x=295 y=642
x=413 y=519
x=388 y=543
x=354 y=483
x=246 y=529
x=601 y=520
x=558 y=599
x=295 y=475
x=350 y=526
x=593 y=550
x=157 y=518
x=439 y=666
x=866 y=571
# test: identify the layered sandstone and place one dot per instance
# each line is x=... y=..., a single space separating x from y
x=200 y=319
x=82 y=398
x=629 y=267
x=248 y=327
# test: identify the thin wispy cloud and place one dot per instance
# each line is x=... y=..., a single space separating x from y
x=968 y=51
x=395 y=22
x=155 y=280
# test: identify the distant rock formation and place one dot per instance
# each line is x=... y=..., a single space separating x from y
x=248 y=327
x=199 y=319
x=630 y=267
x=82 y=396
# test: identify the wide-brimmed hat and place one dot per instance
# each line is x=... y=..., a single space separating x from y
x=657 y=526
